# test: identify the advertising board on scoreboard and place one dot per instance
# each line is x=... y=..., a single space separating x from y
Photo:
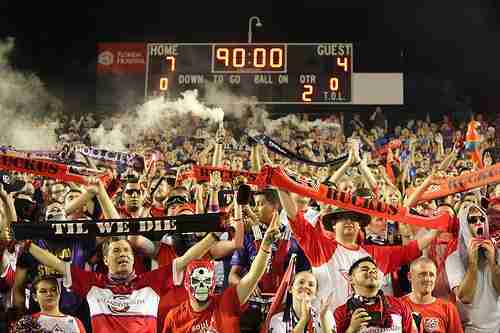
x=274 y=73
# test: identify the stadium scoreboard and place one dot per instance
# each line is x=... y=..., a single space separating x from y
x=273 y=73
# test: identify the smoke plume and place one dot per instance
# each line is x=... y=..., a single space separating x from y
x=177 y=116
x=26 y=107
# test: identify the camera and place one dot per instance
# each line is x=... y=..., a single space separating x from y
x=376 y=318
x=481 y=252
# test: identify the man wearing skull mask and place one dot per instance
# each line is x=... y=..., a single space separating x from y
x=206 y=312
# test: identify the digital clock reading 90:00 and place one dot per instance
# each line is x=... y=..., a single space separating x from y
x=273 y=73
x=261 y=58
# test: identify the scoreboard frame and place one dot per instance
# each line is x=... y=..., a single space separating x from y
x=300 y=96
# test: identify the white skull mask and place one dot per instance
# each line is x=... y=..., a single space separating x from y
x=201 y=283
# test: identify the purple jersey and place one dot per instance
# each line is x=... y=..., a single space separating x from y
x=247 y=254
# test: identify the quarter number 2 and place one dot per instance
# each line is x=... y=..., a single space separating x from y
x=306 y=95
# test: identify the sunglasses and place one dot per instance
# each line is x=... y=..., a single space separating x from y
x=476 y=219
x=177 y=199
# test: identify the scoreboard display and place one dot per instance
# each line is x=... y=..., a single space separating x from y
x=272 y=73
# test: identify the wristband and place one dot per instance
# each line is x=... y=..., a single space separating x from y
x=265 y=251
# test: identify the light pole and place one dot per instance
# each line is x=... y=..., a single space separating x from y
x=258 y=24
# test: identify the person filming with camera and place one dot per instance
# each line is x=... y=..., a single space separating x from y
x=368 y=309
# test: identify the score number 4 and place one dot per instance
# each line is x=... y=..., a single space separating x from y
x=309 y=89
x=164 y=80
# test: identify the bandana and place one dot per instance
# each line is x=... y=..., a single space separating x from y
x=374 y=304
x=199 y=280
x=116 y=280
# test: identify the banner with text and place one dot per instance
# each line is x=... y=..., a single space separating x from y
x=291 y=181
x=462 y=183
x=153 y=228
x=47 y=168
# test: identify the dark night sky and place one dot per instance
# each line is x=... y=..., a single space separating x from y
x=452 y=39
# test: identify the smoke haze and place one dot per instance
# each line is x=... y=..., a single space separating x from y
x=26 y=107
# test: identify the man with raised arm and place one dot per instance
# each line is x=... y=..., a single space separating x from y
x=331 y=259
x=121 y=301
x=206 y=312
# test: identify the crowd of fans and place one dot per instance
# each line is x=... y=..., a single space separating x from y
x=353 y=272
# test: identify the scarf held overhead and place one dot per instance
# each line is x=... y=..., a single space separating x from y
x=108 y=155
x=46 y=168
x=202 y=174
x=47 y=154
x=280 y=150
x=463 y=183
x=152 y=227
x=293 y=182
x=288 y=180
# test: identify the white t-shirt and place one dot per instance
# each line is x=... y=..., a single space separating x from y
x=331 y=260
x=483 y=314
x=277 y=325
x=59 y=324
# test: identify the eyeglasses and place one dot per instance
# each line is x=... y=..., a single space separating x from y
x=476 y=219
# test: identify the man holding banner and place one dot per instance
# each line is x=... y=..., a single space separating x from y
x=121 y=301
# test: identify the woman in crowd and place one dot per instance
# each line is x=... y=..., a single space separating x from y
x=299 y=314
x=50 y=319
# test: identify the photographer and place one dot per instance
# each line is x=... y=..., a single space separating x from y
x=369 y=307
x=473 y=272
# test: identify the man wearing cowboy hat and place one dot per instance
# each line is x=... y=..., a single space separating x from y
x=332 y=258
